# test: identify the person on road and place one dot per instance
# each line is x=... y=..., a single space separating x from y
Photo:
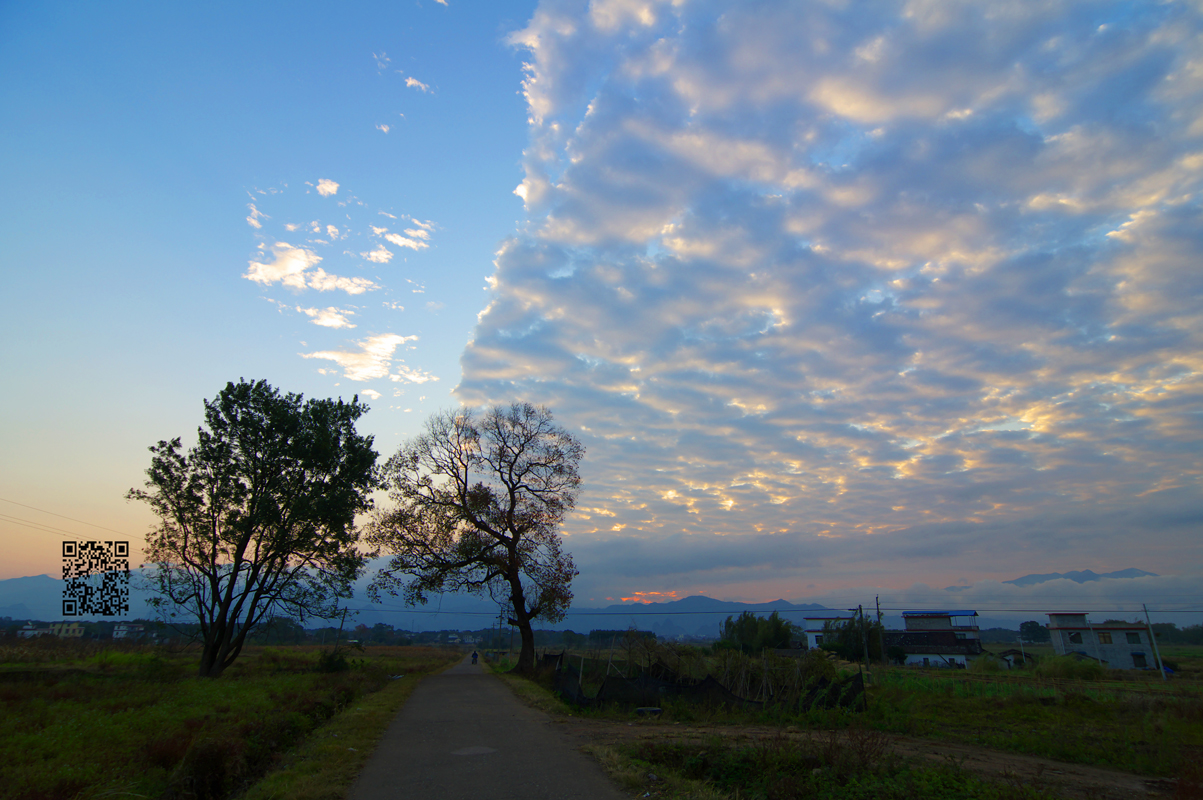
x=473 y=656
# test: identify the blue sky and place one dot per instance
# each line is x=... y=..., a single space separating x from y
x=893 y=295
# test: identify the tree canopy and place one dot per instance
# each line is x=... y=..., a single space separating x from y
x=751 y=633
x=847 y=638
x=258 y=518
x=479 y=497
x=1033 y=631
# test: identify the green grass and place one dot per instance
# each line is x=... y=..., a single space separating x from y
x=324 y=766
x=1128 y=720
x=135 y=721
x=851 y=765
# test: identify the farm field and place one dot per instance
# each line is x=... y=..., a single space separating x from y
x=85 y=720
x=962 y=733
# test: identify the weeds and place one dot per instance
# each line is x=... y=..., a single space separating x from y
x=848 y=765
x=137 y=723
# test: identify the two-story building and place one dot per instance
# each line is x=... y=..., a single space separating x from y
x=67 y=630
x=128 y=630
x=1118 y=645
x=937 y=638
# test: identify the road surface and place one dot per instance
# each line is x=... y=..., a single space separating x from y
x=462 y=735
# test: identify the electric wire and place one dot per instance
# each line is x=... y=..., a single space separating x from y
x=63 y=516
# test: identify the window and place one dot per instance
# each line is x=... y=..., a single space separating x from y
x=1138 y=661
x=1104 y=637
x=1133 y=638
x=818 y=639
x=1075 y=637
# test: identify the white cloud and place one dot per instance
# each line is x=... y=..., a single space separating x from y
x=372 y=360
x=382 y=127
x=253 y=218
x=406 y=375
x=329 y=317
x=441 y=2
x=810 y=276
x=327 y=188
x=401 y=241
x=414 y=83
x=371 y=393
x=292 y=267
x=287 y=267
x=319 y=280
x=381 y=255
x=332 y=231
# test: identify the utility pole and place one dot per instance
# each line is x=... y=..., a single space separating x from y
x=864 y=635
x=1153 y=639
x=881 y=631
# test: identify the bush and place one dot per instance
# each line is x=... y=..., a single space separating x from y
x=332 y=661
x=985 y=663
x=1069 y=668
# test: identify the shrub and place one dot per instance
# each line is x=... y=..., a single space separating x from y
x=1069 y=668
x=984 y=663
x=332 y=661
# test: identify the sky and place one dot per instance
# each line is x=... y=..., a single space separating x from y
x=897 y=297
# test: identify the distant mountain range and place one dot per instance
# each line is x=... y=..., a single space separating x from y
x=1083 y=576
x=40 y=597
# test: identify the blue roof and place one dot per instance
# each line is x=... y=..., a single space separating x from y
x=939 y=613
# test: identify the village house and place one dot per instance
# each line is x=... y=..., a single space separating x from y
x=1118 y=645
x=31 y=631
x=937 y=638
x=128 y=630
x=67 y=630
x=812 y=628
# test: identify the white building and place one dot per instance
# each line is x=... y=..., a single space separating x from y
x=1119 y=645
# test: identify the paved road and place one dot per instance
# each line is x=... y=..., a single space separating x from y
x=462 y=735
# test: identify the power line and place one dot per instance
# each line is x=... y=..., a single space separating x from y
x=38 y=526
x=63 y=516
x=766 y=611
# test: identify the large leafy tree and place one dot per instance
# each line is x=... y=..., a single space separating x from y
x=479 y=497
x=258 y=519
x=752 y=634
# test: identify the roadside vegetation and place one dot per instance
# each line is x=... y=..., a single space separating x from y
x=1130 y=721
x=85 y=720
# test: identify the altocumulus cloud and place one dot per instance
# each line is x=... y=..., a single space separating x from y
x=897 y=289
x=373 y=359
x=295 y=267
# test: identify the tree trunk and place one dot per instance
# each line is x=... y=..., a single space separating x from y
x=210 y=663
x=522 y=616
x=526 y=658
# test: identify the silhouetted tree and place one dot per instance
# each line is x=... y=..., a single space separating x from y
x=479 y=500
x=751 y=633
x=846 y=638
x=1033 y=631
x=258 y=518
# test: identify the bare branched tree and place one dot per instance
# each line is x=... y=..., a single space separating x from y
x=479 y=500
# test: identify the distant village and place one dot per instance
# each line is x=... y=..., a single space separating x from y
x=942 y=639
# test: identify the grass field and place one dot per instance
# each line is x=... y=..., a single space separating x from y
x=1124 y=720
x=84 y=721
